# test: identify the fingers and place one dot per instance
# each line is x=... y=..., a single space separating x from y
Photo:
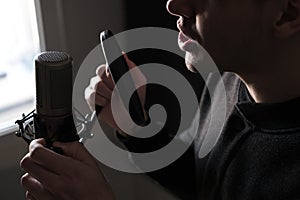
x=29 y=196
x=138 y=77
x=44 y=167
x=103 y=90
x=104 y=87
x=100 y=88
x=100 y=100
x=43 y=164
x=76 y=151
x=34 y=188
x=38 y=171
x=103 y=94
x=41 y=142
x=94 y=82
x=89 y=95
x=44 y=157
x=128 y=61
x=102 y=72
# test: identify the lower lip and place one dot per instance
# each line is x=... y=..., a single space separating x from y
x=184 y=42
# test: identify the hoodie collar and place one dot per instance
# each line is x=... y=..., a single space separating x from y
x=269 y=116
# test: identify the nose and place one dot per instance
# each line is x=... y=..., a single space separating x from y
x=181 y=8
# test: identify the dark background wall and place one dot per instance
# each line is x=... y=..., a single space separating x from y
x=148 y=13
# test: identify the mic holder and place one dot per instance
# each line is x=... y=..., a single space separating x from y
x=29 y=127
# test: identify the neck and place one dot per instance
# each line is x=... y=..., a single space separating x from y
x=273 y=86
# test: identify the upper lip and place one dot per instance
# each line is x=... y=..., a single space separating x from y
x=182 y=24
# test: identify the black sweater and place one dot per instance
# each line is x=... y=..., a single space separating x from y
x=257 y=155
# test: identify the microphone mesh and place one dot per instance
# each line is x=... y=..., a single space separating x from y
x=53 y=57
x=54 y=73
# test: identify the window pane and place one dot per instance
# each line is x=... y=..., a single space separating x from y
x=19 y=43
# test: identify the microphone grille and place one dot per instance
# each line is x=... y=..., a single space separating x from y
x=54 y=73
x=53 y=57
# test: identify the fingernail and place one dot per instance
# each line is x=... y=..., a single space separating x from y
x=125 y=55
x=28 y=196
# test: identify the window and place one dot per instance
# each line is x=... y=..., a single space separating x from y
x=19 y=43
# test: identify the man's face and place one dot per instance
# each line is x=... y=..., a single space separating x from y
x=232 y=31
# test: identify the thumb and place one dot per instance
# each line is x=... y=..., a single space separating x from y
x=139 y=78
x=128 y=61
x=75 y=150
x=137 y=73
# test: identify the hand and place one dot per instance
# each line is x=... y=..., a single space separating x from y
x=100 y=90
x=74 y=175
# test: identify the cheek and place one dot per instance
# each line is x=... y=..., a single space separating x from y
x=227 y=38
x=214 y=35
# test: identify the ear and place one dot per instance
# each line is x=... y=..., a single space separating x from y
x=288 y=22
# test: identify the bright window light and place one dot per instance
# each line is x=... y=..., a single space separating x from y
x=19 y=43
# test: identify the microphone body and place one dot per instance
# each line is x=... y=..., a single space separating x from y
x=53 y=119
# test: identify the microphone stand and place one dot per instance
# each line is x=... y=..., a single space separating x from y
x=28 y=132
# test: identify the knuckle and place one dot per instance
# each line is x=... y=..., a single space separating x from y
x=27 y=195
x=89 y=94
x=25 y=161
x=24 y=179
x=87 y=91
x=86 y=94
x=100 y=69
x=91 y=100
x=36 y=142
x=100 y=86
x=104 y=75
x=103 y=89
x=94 y=81
x=92 y=97
x=36 y=152
x=100 y=100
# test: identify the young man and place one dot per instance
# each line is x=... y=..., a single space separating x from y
x=257 y=154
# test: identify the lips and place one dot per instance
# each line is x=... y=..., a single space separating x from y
x=185 y=41
x=187 y=44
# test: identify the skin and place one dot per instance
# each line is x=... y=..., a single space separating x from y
x=74 y=175
x=253 y=39
x=258 y=40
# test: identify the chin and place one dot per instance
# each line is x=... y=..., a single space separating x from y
x=195 y=62
x=192 y=60
x=191 y=68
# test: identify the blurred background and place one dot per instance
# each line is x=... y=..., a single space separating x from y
x=31 y=26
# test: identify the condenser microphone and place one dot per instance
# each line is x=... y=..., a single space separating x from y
x=54 y=84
